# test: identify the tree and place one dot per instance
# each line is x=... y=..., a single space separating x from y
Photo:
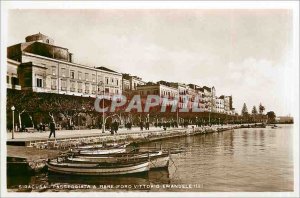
x=254 y=110
x=245 y=110
x=271 y=116
x=261 y=109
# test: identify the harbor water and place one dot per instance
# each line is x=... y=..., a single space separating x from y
x=246 y=159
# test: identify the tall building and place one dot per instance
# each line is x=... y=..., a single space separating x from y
x=228 y=109
x=130 y=82
x=12 y=77
x=220 y=105
x=45 y=67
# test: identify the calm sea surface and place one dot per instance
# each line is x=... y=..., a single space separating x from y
x=259 y=160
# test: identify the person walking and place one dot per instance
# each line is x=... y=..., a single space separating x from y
x=41 y=127
x=141 y=125
x=116 y=126
x=52 y=129
x=112 y=128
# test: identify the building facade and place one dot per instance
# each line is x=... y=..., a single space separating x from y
x=44 y=67
x=130 y=83
x=219 y=105
x=12 y=77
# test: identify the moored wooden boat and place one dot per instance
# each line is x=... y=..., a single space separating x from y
x=107 y=148
x=102 y=151
x=74 y=168
x=158 y=159
x=93 y=146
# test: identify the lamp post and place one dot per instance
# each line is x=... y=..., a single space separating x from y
x=219 y=121
x=103 y=119
x=13 y=122
x=178 y=100
x=83 y=109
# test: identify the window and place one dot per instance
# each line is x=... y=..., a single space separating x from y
x=106 y=80
x=14 y=81
x=112 y=81
x=106 y=90
x=63 y=85
x=79 y=87
x=86 y=76
x=93 y=77
x=53 y=84
x=7 y=79
x=72 y=74
x=53 y=70
x=63 y=72
x=72 y=86
x=47 y=41
x=94 y=88
x=99 y=78
x=117 y=82
x=79 y=75
x=87 y=88
x=39 y=82
x=117 y=91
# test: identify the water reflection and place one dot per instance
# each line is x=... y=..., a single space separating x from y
x=240 y=160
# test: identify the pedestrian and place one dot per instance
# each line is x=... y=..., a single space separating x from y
x=116 y=126
x=44 y=127
x=147 y=125
x=52 y=129
x=141 y=125
x=41 y=127
x=112 y=128
x=130 y=125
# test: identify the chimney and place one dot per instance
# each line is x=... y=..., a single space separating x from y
x=70 y=57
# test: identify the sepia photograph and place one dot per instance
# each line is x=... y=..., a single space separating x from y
x=154 y=99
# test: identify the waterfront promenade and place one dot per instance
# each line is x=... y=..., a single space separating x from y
x=76 y=133
x=73 y=138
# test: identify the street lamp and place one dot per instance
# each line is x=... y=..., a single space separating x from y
x=83 y=109
x=219 y=121
x=178 y=100
x=103 y=120
x=13 y=122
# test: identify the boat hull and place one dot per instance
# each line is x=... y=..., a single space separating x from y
x=102 y=151
x=159 y=162
x=81 y=169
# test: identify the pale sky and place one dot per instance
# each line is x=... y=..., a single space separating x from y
x=243 y=53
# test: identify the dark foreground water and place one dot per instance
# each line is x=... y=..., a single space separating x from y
x=255 y=160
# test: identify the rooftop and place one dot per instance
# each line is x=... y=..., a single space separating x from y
x=106 y=69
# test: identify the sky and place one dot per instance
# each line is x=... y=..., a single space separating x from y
x=244 y=53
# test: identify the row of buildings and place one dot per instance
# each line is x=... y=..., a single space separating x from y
x=39 y=65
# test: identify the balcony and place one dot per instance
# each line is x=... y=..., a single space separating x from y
x=86 y=91
x=64 y=88
x=79 y=90
x=93 y=92
x=17 y=87
x=53 y=87
x=72 y=89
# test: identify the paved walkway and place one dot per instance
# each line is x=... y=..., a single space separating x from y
x=75 y=133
